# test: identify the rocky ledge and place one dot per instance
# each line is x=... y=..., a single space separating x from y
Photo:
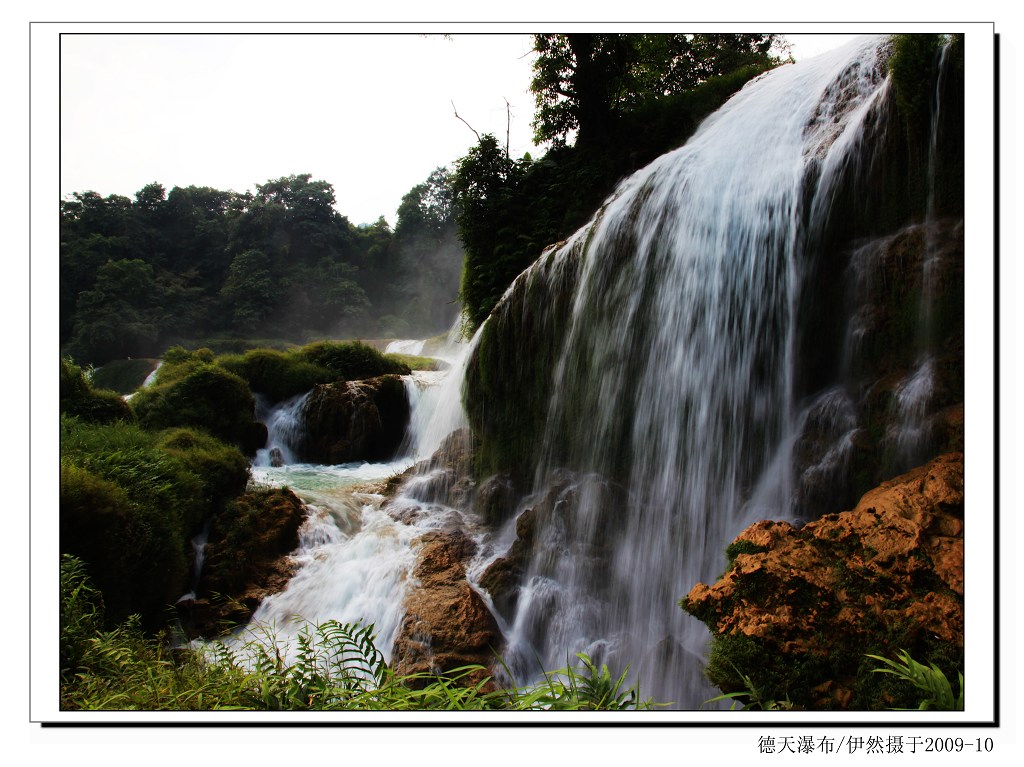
x=447 y=624
x=797 y=610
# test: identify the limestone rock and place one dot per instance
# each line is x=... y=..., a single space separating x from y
x=355 y=421
x=887 y=575
x=447 y=624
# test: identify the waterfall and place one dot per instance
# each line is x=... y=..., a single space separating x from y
x=284 y=429
x=677 y=401
x=405 y=347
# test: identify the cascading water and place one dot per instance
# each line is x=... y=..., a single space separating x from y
x=677 y=377
x=355 y=557
x=284 y=429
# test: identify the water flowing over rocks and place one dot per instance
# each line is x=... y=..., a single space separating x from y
x=885 y=576
x=747 y=329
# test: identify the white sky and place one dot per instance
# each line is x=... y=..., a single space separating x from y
x=370 y=114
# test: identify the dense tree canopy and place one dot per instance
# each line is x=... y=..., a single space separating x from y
x=137 y=276
x=583 y=82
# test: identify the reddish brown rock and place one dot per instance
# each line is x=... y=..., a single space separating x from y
x=447 y=624
x=887 y=575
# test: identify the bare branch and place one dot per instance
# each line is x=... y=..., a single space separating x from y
x=467 y=124
x=508 y=127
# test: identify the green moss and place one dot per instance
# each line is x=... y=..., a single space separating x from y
x=414 y=362
x=350 y=360
x=202 y=396
x=222 y=469
x=278 y=375
x=736 y=548
x=913 y=62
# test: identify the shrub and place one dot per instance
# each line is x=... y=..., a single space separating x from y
x=78 y=398
x=206 y=397
x=128 y=503
x=221 y=468
x=350 y=360
x=278 y=375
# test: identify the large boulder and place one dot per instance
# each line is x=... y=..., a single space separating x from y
x=447 y=624
x=797 y=610
x=355 y=421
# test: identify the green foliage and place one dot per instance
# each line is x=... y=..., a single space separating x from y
x=350 y=360
x=588 y=82
x=123 y=669
x=333 y=666
x=222 y=469
x=414 y=362
x=750 y=698
x=130 y=499
x=278 y=375
x=736 y=548
x=79 y=399
x=911 y=66
x=509 y=210
x=201 y=395
x=930 y=681
x=81 y=614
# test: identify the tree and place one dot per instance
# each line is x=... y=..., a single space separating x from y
x=491 y=222
x=585 y=82
x=120 y=316
x=248 y=291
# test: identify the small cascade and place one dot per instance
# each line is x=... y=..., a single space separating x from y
x=414 y=348
x=436 y=402
x=284 y=429
x=908 y=432
x=198 y=558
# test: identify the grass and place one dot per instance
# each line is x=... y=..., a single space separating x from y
x=335 y=667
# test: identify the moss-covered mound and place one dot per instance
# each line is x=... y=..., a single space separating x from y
x=283 y=374
x=78 y=398
x=127 y=508
x=201 y=395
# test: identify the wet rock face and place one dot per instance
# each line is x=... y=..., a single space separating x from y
x=813 y=601
x=580 y=514
x=355 y=421
x=447 y=624
x=247 y=560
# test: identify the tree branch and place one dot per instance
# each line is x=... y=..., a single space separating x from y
x=467 y=124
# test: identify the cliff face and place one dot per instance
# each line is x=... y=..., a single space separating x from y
x=798 y=609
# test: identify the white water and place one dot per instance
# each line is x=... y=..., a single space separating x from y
x=414 y=348
x=702 y=414
x=355 y=557
x=284 y=429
